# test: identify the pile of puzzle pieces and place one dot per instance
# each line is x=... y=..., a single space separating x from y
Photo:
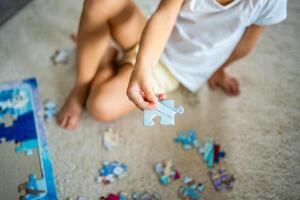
x=220 y=179
x=111 y=171
x=190 y=190
x=166 y=172
x=134 y=196
x=210 y=150
x=111 y=139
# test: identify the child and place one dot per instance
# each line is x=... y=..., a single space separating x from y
x=200 y=38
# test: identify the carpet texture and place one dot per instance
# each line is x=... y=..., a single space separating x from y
x=9 y=7
x=259 y=130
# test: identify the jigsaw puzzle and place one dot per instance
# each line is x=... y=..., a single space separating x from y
x=21 y=122
x=165 y=110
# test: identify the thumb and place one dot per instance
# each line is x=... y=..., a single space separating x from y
x=149 y=94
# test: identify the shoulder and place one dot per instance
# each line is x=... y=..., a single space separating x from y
x=270 y=11
x=262 y=4
x=268 y=4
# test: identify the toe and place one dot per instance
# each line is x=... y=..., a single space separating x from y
x=231 y=90
x=234 y=89
x=235 y=81
x=64 y=122
x=235 y=86
x=59 y=118
x=72 y=122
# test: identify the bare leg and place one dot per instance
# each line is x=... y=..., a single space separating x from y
x=108 y=101
x=100 y=19
x=126 y=28
x=69 y=114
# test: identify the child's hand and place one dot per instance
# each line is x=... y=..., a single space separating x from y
x=140 y=90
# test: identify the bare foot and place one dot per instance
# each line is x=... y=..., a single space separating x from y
x=69 y=114
x=226 y=82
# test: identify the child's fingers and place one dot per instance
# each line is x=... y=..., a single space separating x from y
x=162 y=96
x=149 y=94
x=138 y=100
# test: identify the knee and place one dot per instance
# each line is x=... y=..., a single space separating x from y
x=100 y=109
x=101 y=8
x=92 y=8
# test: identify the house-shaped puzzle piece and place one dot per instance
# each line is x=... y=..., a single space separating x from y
x=165 y=110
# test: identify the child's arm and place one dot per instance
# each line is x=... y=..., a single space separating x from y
x=246 y=44
x=153 y=40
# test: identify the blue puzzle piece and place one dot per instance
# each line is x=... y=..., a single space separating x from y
x=187 y=139
x=221 y=154
x=209 y=153
x=34 y=189
x=190 y=189
x=50 y=110
x=113 y=170
x=165 y=110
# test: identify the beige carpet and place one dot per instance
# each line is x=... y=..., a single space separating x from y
x=259 y=130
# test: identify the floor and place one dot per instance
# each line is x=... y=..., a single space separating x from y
x=259 y=130
x=9 y=7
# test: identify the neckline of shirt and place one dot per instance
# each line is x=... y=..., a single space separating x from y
x=217 y=4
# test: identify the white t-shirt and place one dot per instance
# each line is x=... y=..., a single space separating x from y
x=206 y=33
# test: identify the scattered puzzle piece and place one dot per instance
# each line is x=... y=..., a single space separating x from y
x=190 y=190
x=111 y=171
x=111 y=139
x=61 y=56
x=211 y=153
x=33 y=189
x=188 y=139
x=221 y=178
x=134 y=196
x=166 y=172
x=50 y=110
x=165 y=110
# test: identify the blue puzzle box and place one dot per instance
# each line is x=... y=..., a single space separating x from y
x=21 y=122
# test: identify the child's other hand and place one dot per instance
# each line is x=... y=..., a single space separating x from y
x=140 y=90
